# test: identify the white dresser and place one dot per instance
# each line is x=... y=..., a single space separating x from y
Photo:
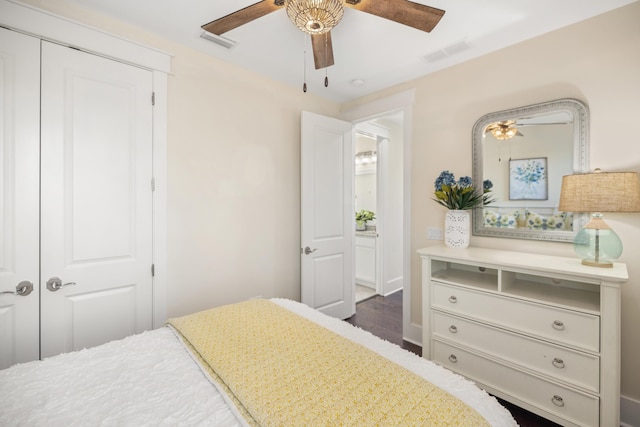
x=542 y=332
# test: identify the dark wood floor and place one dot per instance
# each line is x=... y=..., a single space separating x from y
x=382 y=316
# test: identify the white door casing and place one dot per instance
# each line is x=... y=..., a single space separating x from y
x=19 y=187
x=402 y=101
x=327 y=218
x=96 y=199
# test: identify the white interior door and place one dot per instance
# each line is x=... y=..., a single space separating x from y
x=19 y=198
x=327 y=223
x=96 y=199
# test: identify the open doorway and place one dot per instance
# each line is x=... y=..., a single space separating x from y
x=379 y=172
x=327 y=222
x=366 y=165
x=402 y=103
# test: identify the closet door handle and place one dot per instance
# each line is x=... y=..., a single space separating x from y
x=54 y=284
x=23 y=289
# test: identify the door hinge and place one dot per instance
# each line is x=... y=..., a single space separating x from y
x=153 y=98
x=153 y=270
x=153 y=184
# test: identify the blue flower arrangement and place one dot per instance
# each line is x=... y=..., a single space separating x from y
x=461 y=194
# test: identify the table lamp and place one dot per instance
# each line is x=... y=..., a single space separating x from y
x=597 y=244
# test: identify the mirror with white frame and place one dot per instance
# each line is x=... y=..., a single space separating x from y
x=525 y=152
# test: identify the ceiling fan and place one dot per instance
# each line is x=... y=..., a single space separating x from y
x=503 y=130
x=317 y=17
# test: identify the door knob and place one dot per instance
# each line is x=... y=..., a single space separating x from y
x=23 y=289
x=55 y=284
x=308 y=250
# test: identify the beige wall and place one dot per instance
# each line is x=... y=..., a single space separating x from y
x=597 y=62
x=234 y=184
x=233 y=218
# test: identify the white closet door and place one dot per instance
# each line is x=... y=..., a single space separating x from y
x=96 y=199
x=19 y=180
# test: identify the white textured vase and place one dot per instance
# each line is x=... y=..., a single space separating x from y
x=456 y=229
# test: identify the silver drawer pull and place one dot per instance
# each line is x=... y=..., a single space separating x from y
x=558 y=363
x=453 y=329
x=453 y=299
x=557 y=400
x=453 y=358
x=558 y=325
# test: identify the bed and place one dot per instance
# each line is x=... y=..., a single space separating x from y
x=259 y=362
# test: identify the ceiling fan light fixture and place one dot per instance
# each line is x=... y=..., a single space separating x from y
x=502 y=131
x=315 y=16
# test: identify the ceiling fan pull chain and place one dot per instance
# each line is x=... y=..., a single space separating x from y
x=304 y=64
x=326 y=69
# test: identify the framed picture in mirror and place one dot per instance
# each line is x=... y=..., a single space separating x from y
x=528 y=179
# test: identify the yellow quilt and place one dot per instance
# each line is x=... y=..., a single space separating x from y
x=285 y=370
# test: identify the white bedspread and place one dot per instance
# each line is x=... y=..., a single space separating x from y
x=147 y=379
x=150 y=379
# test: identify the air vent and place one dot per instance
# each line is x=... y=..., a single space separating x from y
x=219 y=40
x=456 y=48
x=447 y=51
x=436 y=56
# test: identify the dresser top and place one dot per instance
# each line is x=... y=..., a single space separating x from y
x=525 y=260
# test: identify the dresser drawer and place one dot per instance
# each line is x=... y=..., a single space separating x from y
x=577 y=368
x=566 y=327
x=579 y=408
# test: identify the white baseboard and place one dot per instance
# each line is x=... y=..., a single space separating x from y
x=412 y=333
x=629 y=412
x=392 y=286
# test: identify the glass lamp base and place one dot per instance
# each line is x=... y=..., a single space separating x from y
x=597 y=244
x=590 y=263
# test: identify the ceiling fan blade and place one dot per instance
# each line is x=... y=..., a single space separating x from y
x=322 y=50
x=542 y=124
x=241 y=17
x=405 y=12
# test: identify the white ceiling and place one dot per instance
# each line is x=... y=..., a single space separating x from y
x=376 y=51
